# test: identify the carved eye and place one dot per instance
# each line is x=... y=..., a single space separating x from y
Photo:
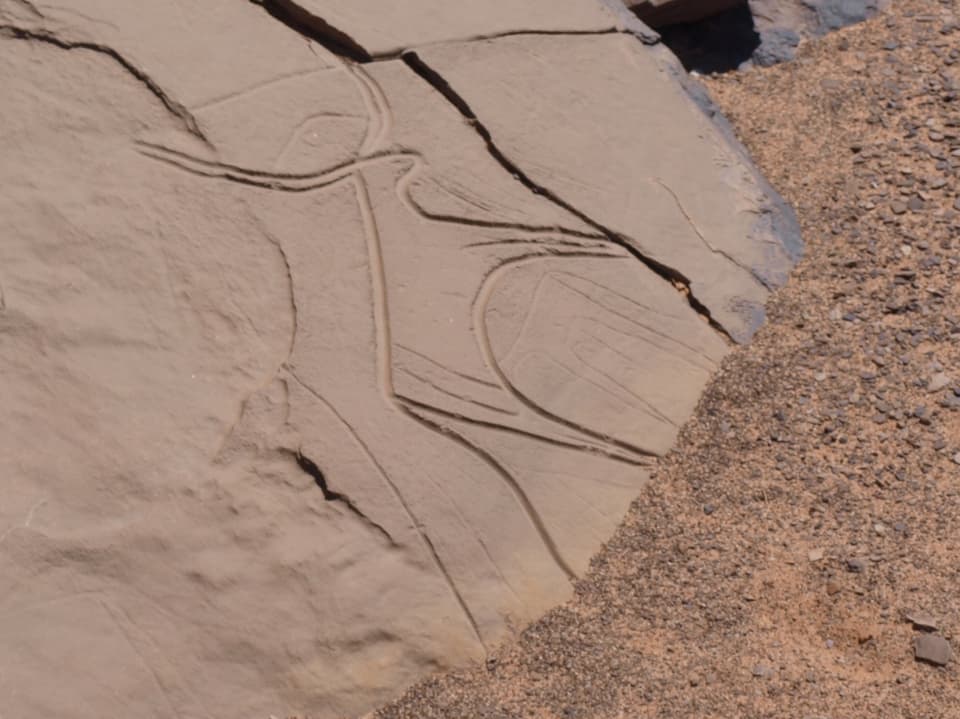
x=324 y=140
x=306 y=123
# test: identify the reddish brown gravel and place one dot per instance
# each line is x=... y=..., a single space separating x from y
x=812 y=504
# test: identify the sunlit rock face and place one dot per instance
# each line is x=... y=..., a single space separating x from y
x=334 y=341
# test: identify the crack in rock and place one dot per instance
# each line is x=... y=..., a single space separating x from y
x=30 y=8
x=674 y=277
x=706 y=243
x=309 y=467
x=305 y=23
x=344 y=46
x=45 y=36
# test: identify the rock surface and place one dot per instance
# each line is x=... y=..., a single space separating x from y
x=325 y=366
x=779 y=25
x=658 y=13
x=932 y=649
x=727 y=591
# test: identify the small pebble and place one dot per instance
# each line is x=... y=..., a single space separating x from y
x=856 y=565
x=921 y=620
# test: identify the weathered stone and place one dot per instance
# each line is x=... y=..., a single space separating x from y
x=922 y=620
x=658 y=13
x=384 y=28
x=856 y=565
x=932 y=649
x=776 y=45
x=779 y=25
x=553 y=131
x=318 y=374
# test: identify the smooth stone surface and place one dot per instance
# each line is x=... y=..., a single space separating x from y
x=307 y=393
x=932 y=649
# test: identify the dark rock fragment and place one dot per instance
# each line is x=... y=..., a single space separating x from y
x=932 y=649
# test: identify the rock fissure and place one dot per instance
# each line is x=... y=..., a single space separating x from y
x=415 y=522
x=312 y=27
x=342 y=44
x=674 y=277
x=706 y=243
x=399 y=53
x=308 y=466
x=175 y=108
x=30 y=8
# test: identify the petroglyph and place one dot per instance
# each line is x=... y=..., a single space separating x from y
x=335 y=354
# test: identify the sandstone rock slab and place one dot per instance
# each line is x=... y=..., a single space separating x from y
x=658 y=13
x=375 y=29
x=631 y=155
x=313 y=380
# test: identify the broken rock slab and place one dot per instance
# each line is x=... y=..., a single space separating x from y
x=659 y=13
x=779 y=26
x=320 y=375
x=368 y=29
